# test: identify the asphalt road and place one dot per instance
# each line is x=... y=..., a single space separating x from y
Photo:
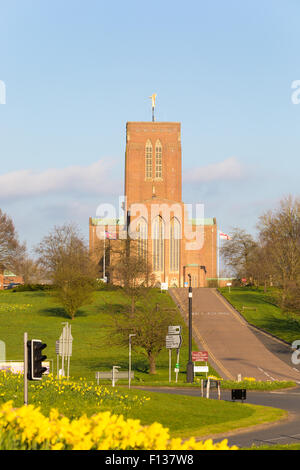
x=234 y=347
x=284 y=432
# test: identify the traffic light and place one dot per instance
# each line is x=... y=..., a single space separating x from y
x=35 y=359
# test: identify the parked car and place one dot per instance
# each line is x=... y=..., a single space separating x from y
x=11 y=285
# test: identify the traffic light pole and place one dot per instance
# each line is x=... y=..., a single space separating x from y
x=25 y=369
x=190 y=365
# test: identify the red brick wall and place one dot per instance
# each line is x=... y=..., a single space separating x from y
x=137 y=187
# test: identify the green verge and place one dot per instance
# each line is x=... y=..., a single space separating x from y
x=275 y=447
x=258 y=385
x=194 y=416
x=262 y=311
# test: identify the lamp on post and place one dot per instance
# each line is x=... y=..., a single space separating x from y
x=129 y=369
x=190 y=365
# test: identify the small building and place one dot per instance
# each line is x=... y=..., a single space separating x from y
x=9 y=279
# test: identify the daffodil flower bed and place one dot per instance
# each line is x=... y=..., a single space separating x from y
x=250 y=383
x=11 y=308
x=50 y=389
x=26 y=428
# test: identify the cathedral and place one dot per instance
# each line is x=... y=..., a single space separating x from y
x=180 y=248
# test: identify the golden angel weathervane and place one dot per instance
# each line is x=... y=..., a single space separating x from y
x=153 y=97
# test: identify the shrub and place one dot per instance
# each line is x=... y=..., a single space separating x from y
x=32 y=287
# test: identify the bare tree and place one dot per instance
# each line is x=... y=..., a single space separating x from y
x=9 y=243
x=238 y=252
x=29 y=268
x=280 y=237
x=150 y=327
x=130 y=269
x=65 y=257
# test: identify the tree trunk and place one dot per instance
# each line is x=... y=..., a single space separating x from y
x=152 y=368
x=132 y=305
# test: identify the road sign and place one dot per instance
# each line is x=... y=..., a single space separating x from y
x=164 y=286
x=173 y=341
x=199 y=356
x=200 y=368
x=64 y=344
x=238 y=394
x=174 y=330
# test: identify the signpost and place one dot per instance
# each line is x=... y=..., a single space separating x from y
x=63 y=348
x=174 y=341
x=199 y=356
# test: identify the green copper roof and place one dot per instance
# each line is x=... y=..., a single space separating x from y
x=101 y=221
x=8 y=273
x=204 y=221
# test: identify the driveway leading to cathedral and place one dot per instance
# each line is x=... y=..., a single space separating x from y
x=232 y=345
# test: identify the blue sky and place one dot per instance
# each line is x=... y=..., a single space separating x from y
x=77 y=71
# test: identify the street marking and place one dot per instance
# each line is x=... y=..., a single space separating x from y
x=218 y=363
x=268 y=375
x=278 y=438
x=231 y=309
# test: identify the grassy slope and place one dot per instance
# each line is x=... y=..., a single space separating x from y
x=93 y=347
x=267 y=315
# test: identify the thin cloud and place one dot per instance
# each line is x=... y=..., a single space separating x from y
x=229 y=169
x=92 y=179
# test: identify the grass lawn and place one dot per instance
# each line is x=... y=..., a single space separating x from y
x=93 y=345
x=267 y=316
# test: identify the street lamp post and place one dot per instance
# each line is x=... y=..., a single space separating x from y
x=190 y=365
x=129 y=370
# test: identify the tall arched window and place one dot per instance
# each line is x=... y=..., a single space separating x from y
x=158 y=160
x=142 y=229
x=148 y=159
x=175 y=237
x=158 y=238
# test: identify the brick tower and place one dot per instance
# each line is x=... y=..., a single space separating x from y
x=153 y=191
